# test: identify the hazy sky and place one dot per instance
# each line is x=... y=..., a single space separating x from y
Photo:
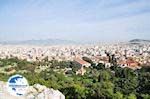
x=81 y=20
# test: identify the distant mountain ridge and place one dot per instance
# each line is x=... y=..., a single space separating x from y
x=60 y=42
x=139 y=41
x=40 y=42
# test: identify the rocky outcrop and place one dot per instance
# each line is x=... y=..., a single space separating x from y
x=36 y=91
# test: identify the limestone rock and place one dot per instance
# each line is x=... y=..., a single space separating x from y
x=36 y=91
x=43 y=93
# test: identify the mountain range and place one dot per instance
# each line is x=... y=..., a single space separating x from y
x=39 y=42
x=59 y=42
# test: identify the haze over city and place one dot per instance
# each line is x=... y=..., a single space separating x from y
x=77 y=20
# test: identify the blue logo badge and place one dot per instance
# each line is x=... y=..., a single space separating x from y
x=17 y=85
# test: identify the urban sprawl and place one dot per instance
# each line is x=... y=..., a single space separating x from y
x=133 y=56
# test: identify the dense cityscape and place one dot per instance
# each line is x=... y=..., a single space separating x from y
x=120 y=70
x=125 y=55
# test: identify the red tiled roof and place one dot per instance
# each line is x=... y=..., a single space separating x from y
x=80 y=61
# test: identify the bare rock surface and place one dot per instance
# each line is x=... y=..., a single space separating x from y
x=36 y=91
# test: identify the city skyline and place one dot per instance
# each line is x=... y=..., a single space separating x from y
x=97 y=20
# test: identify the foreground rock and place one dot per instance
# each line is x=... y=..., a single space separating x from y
x=36 y=91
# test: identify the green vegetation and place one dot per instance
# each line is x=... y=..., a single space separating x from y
x=97 y=83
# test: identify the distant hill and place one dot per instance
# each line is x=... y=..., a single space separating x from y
x=39 y=42
x=139 y=41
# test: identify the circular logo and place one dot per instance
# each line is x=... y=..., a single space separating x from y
x=17 y=85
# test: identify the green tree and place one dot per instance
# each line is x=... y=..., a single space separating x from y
x=100 y=66
x=103 y=90
x=145 y=96
x=104 y=76
x=144 y=81
x=118 y=95
x=128 y=82
x=131 y=96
